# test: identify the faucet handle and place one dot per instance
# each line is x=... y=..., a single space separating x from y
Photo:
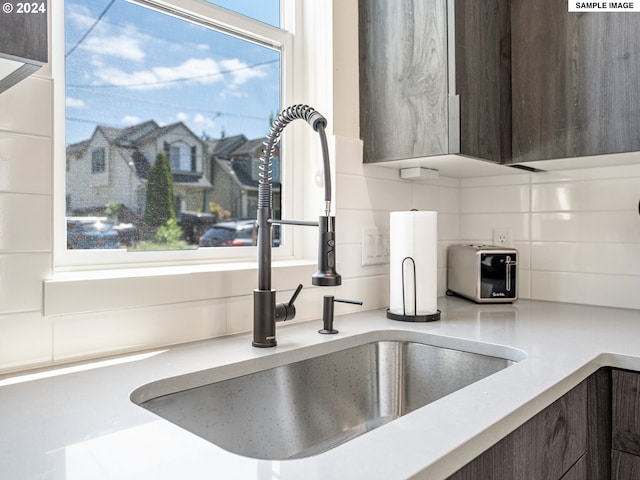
x=327 y=313
x=286 y=310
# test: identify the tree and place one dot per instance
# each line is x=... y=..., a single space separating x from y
x=160 y=201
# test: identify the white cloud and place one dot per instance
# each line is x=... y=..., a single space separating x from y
x=203 y=122
x=198 y=123
x=241 y=72
x=203 y=71
x=74 y=103
x=130 y=120
x=125 y=43
x=120 y=46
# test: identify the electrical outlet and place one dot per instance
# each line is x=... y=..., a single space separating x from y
x=502 y=237
x=375 y=246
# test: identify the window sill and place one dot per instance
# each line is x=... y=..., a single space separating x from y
x=103 y=290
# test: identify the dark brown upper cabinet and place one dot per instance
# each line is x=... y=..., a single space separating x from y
x=434 y=79
x=508 y=81
x=575 y=80
x=23 y=40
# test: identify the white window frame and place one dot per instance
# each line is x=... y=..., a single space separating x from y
x=201 y=12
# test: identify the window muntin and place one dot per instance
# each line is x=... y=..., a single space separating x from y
x=91 y=81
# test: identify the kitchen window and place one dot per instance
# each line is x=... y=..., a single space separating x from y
x=198 y=82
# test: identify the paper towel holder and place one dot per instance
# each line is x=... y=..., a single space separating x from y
x=411 y=318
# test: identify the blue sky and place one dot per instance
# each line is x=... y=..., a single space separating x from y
x=136 y=64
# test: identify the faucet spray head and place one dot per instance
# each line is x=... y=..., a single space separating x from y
x=327 y=276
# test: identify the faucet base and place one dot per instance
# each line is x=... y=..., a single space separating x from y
x=264 y=314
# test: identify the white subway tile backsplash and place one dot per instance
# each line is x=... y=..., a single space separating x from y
x=605 y=258
x=25 y=163
x=30 y=106
x=440 y=198
x=600 y=227
x=479 y=227
x=25 y=341
x=21 y=276
x=599 y=173
x=448 y=226
x=495 y=199
x=592 y=195
x=25 y=223
x=364 y=193
x=590 y=289
x=515 y=179
x=107 y=333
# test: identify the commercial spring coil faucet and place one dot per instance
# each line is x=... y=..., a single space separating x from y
x=265 y=310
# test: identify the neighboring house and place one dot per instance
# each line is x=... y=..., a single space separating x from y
x=234 y=174
x=113 y=166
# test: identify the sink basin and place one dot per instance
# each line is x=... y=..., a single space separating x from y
x=310 y=406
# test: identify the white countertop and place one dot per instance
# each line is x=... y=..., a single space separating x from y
x=78 y=425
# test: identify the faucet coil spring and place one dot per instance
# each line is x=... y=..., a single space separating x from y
x=286 y=116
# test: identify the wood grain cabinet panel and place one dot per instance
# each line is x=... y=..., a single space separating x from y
x=503 y=80
x=626 y=412
x=579 y=470
x=544 y=448
x=574 y=81
x=483 y=78
x=23 y=39
x=569 y=440
x=403 y=78
x=624 y=466
x=408 y=109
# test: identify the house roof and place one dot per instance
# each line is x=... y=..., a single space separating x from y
x=236 y=155
x=78 y=147
x=223 y=147
x=159 y=131
x=249 y=148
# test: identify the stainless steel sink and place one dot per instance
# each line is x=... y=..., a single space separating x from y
x=310 y=406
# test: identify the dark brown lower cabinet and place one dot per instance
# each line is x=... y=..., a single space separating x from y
x=625 y=456
x=579 y=470
x=624 y=466
x=568 y=440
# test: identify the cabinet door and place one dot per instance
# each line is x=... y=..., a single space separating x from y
x=624 y=466
x=483 y=78
x=24 y=35
x=626 y=411
x=403 y=79
x=544 y=448
x=578 y=471
x=574 y=81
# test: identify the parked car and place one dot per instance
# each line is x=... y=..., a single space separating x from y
x=235 y=233
x=91 y=232
x=195 y=224
x=239 y=233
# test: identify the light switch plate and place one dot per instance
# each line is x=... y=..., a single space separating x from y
x=375 y=246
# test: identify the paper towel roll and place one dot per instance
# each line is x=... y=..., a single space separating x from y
x=413 y=235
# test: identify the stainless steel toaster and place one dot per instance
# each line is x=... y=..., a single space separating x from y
x=483 y=273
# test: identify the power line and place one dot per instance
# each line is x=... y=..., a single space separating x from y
x=90 y=29
x=176 y=80
x=178 y=107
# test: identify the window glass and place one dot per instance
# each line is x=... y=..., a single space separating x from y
x=267 y=11
x=171 y=114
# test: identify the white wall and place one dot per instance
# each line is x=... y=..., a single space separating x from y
x=578 y=233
